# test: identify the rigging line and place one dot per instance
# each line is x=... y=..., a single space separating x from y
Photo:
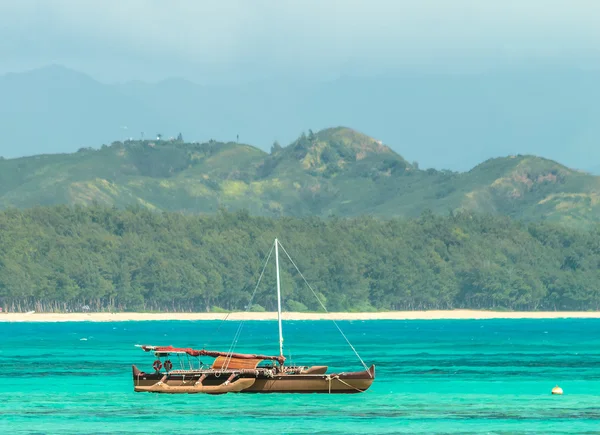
x=239 y=330
x=236 y=336
x=218 y=328
x=229 y=313
x=325 y=308
x=351 y=386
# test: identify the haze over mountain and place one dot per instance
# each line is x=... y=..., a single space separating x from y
x=447 y=83
x=334 y=172
x=446 y=121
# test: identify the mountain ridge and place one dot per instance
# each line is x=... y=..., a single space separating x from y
x=333 y=172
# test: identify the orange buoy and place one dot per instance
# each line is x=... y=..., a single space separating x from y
x=557 y=390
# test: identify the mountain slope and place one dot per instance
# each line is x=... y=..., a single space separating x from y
x=337 y=171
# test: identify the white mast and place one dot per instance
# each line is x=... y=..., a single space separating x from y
x=278 y=299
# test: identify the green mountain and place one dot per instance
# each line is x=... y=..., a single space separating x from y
x=336 y=171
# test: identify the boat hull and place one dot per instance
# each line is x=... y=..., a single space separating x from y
x=215 y=383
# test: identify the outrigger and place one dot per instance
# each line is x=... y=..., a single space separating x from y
x=246 y=373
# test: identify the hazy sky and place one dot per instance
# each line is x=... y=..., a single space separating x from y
x=222 y=40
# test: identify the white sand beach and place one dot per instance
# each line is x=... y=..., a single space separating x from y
x=391 y=315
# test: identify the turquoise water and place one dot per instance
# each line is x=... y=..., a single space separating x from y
x=442 y=376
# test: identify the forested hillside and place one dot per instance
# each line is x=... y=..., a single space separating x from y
x=334 y=172
x=63 y=258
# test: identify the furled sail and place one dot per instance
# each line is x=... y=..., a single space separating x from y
x=211 y=353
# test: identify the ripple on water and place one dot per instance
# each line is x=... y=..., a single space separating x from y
x=444 y=377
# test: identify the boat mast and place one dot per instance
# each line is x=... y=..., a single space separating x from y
x=278 y=298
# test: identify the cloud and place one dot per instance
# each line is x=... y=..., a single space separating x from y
x=299 y=36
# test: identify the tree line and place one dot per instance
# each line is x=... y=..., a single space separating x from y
x=64 y=259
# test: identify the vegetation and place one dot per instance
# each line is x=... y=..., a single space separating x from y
x=335 y=172
x=64 y=258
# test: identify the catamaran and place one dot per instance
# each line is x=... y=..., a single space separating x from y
x=246 y=373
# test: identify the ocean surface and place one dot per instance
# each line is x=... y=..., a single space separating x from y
x=433 y=377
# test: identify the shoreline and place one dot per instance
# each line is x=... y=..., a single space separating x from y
x=269 y=316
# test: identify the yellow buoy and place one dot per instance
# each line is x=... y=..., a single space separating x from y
x=557 y=390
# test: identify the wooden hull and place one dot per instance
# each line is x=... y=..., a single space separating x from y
x=215 y=383
x=194 y=388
